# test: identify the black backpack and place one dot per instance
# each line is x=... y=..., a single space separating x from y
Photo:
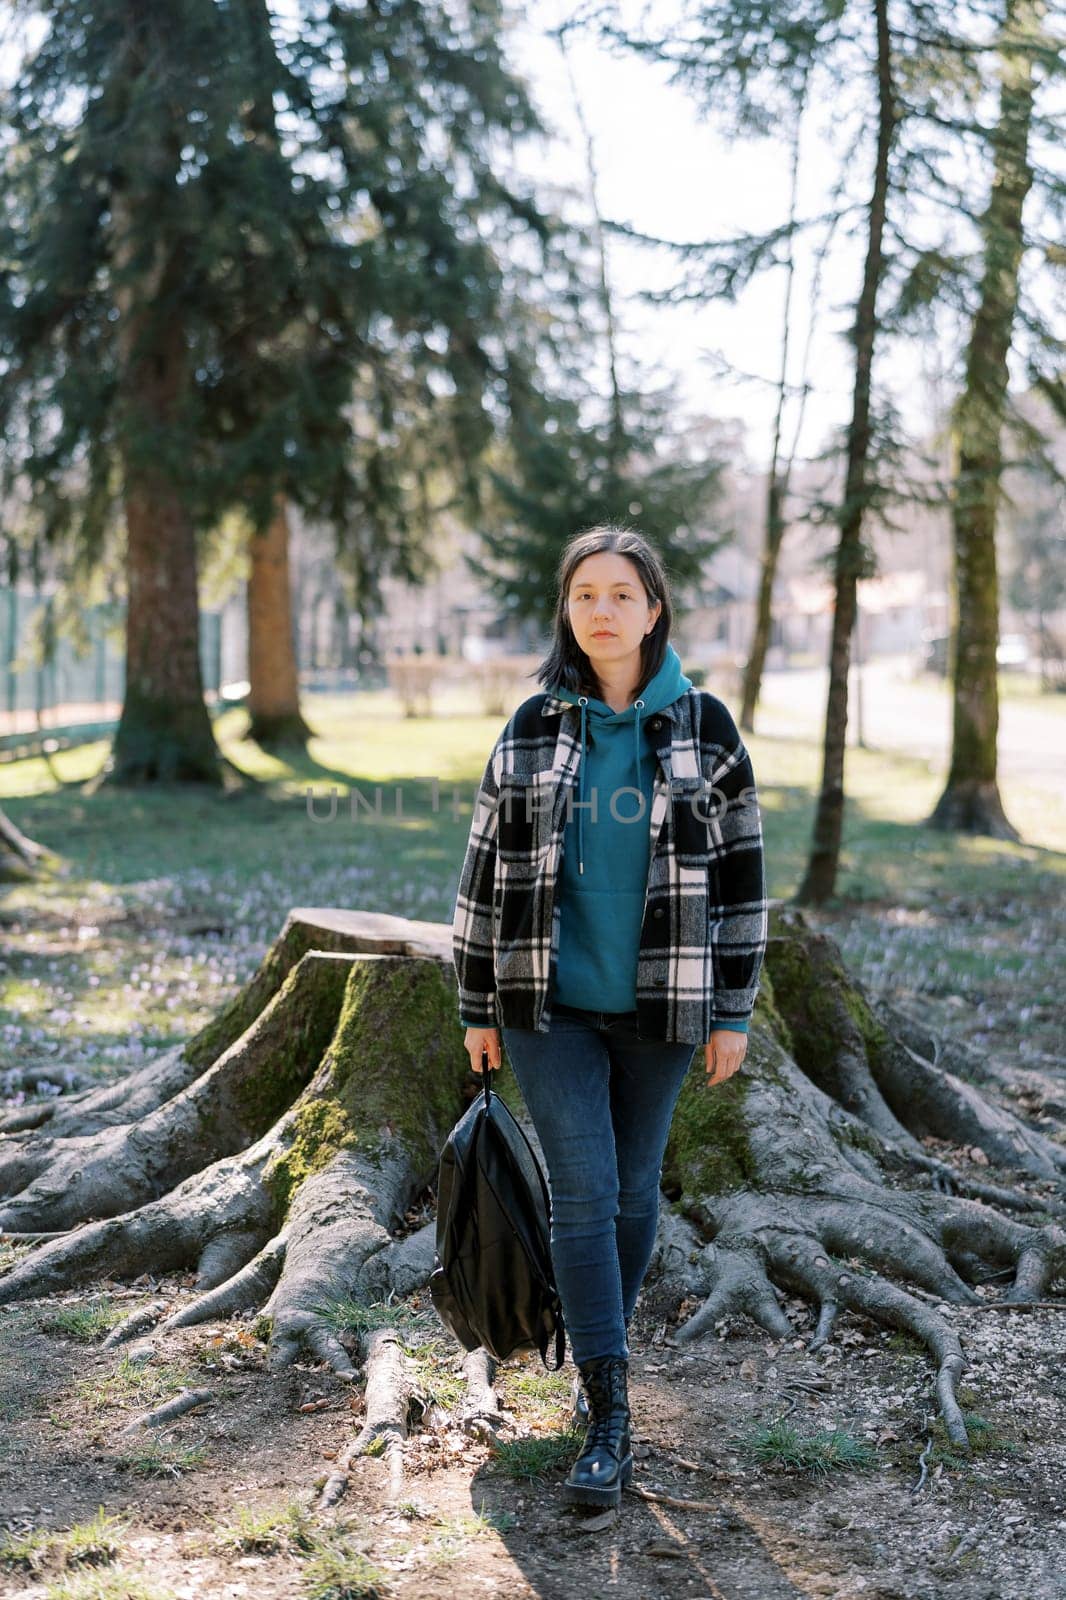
x=492 y=1283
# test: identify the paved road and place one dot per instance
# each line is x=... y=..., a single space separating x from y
x=908 y=714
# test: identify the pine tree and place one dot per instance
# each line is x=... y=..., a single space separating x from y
x=246 y=257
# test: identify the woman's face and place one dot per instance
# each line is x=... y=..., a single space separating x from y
x=609 y=610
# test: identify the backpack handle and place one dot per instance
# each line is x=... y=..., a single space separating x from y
x=486 y=1072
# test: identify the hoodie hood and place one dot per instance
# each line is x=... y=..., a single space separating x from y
x=668 y=685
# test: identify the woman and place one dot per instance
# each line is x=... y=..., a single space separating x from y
x=608 y=934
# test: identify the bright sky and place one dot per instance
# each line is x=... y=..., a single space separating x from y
x=666 y=172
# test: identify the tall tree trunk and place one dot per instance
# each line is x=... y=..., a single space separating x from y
x=274 y=696
x=616 y=442
x=820 y=878
x=970 y=802
x=164 y=733
x=777 y=487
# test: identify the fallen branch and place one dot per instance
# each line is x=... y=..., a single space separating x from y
x=923 y=1462
x=672 y=1499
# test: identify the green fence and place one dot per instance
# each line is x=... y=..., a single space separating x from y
x=52 y=679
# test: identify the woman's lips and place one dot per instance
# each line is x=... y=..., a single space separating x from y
x=603 y=635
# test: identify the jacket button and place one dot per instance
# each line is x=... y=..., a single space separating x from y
x=658 y=912
x=658 y=983
x=655 y=723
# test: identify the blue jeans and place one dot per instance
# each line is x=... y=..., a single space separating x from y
x=601 y=1100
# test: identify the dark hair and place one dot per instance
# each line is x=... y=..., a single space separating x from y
x=566 y=665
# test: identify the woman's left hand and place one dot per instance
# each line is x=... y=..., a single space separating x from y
x=724 y=1052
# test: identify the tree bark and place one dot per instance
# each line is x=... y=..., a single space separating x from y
x=164 y=733
x=780 y=472
x=277 y=1153
x=819 y=880
x=274 y=695
x=971 y=801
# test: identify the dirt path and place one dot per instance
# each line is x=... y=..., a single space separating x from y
x=992 y=1528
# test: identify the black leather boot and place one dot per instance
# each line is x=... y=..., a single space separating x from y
x=605 y=1466
x=579 y=1404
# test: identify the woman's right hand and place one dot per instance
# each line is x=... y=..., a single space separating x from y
x=479 y=1039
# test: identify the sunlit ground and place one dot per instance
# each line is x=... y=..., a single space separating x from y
x=170 y=899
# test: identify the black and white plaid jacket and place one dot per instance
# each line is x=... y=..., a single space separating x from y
x=704 y=930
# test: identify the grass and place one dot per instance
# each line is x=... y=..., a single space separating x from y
x=95 y=1543
x=436 y=1377
x=432 y=1358
x=266 y=1530
x=902 y=1343
x=110 y=1585
x=12 y=1254
x=985 y=1438
x=345 y=1315
x=26 y=1552
x=172 y=898
x=452 y=1535
x=534 y=1394
x=130 y=1382
x=83 y=1323
x=335 y=1572
x=539 y=1455
x=332 y=1567
x=161 y=1458
x=816 y=1455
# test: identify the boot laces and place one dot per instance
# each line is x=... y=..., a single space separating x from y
x=609 y=1410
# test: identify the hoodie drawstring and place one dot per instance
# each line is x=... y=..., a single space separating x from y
x=638 y=706
x=583 y=701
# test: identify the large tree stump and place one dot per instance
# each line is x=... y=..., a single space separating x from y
x=279 y=1149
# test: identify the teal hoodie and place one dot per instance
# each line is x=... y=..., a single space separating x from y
x=604 y=875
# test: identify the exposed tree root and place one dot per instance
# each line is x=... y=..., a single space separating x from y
x=400 y=1269
x=831 y=1029
x=20 y=856
x=88 y=1110
x=480 y=1414
x=972 y=805
x=1038 y=1094
x=150 y=1086
x=282 y=1151
x=773 y=1194
x=167 y=1235
x=228 y=1106
x=57 y=1077
x=391 y=1395
x=135 y=1324
x=188 y=1400
x=247 y=1289
x=338 y=1220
